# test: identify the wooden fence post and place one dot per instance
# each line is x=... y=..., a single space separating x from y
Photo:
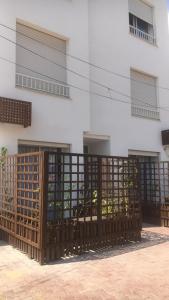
x=43 y=221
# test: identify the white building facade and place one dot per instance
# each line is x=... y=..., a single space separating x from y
x=96 y=73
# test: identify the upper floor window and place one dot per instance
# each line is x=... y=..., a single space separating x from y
x=141 y=20
x=34 y=61
x=144 y=102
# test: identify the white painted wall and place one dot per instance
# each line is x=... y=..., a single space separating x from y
x=55 y=119
x=97 y=30
x=112 y=46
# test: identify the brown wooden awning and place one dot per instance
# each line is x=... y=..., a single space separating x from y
x=14 y=111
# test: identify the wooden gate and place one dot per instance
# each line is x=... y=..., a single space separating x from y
x=21 y=194
x=154 y=190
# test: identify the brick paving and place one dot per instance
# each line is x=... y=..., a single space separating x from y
x=134 y=271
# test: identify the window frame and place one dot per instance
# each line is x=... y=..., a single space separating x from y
x=54 y=88
x=157 y=110
x=154 y=35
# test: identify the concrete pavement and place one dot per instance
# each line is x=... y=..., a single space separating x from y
x=136 y=271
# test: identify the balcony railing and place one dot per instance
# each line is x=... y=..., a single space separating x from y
x=29 y=82
x=138 y=111
x=15 y=112
x=150 y=38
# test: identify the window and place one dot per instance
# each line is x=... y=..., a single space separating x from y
x=144 y=95
x=141 y=21
x=33 y=146
x=40 y=74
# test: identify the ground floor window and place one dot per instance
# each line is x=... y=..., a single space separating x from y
x=30 y=146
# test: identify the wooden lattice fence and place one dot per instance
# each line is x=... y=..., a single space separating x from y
x=56 y=204
x=91 y=201
x=154 y=191
x=21 y=202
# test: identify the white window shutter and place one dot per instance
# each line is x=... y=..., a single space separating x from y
x=143 y=87
x=141 y=10
x=144 y=95
x=45 y=45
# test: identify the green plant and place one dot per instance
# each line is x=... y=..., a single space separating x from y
x=3 y=155
x=129 y=180
x=107 y=206
x=7 y=196
x=107 y=203
x=94 y=196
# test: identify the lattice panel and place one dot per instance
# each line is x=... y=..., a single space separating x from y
x=154 y=183
x=90 y=186
x=54 y=204
x=154 y=189
x=15 y=112
x=164 y=182
x=151 y=173
x=119 y=187
x=7 y=193
x=29 y=191
x=92 y=201
x=150 y=192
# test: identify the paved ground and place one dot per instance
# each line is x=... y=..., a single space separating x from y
x=137 y=271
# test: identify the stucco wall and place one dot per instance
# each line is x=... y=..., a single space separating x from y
x=113 y=47
x=55 y=119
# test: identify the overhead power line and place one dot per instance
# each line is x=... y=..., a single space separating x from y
x=85 y=61
x=143 y=102
x=70 y=85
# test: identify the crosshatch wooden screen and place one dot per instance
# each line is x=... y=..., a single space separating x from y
x=154 y=191
x=84 y=186
x=29 y=186
x=21 y=195
x=92 y=201
x=55 y=204
x=7 y=194
x=15 y=111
